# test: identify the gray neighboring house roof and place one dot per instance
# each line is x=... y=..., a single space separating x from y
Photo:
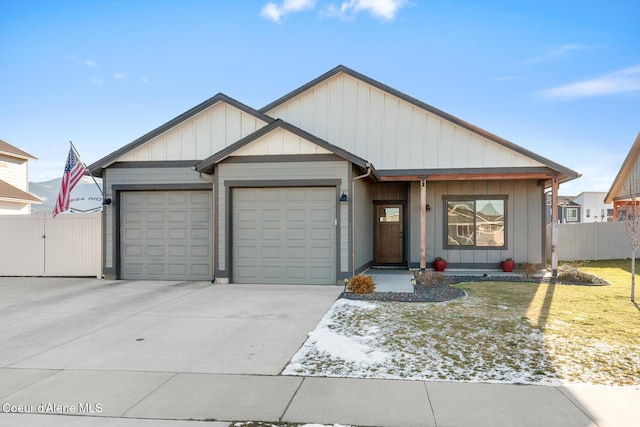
x=566 y=174
x=97 y=167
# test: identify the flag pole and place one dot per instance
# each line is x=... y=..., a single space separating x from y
x=73 y=147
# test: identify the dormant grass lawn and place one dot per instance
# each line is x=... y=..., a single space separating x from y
x=501 y=332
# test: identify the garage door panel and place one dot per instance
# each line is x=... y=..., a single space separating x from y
x=201 y=251
x=201 y=217
x=296 y=252
x=177 y=233
x=155 y=250
x=296 y=195
x=270 y=252
x=324 y=215
x=200 y=233
x=157 y=198
x=269 y=195
x=286 y=226
x=324 y=234
x=271 y=272
x=166 y=235
x=268 y=216
x=246 y=216
x=270 y=234
x=178 y=198
x=295 y=233
x=321 y=273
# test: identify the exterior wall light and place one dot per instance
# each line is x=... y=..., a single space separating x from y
x=344 y=198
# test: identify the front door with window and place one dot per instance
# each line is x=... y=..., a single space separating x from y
x=389 y=234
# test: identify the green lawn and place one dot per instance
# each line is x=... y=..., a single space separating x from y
x=502 y=331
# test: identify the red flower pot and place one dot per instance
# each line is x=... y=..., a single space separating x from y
x=439 y=265
x=507 y=266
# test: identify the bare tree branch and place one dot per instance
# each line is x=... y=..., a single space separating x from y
x=632 y=226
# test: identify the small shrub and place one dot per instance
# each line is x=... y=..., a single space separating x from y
x=571 y=274
x=528 y=269
x=429 y=278
x=361 y=284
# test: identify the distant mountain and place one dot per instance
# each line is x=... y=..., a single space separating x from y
x=85 y=196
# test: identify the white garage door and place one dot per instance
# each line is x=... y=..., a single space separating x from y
x=166 y=235
x=284 y=235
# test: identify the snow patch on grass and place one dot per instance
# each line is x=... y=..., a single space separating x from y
x=464 y=340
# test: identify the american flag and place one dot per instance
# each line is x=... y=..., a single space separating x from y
x=73 y=171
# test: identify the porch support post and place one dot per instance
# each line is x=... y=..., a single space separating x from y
x=423 y=223
x=554 y=226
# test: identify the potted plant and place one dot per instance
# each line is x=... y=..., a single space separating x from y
x=508 y=265
x=439 y=264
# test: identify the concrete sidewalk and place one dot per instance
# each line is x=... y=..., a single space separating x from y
x=122 y=398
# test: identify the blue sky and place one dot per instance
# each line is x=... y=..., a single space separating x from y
x=560 y=78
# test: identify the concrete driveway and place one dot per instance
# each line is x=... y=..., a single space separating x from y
x=149 y=326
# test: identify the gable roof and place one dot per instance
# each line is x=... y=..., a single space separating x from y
x=11 y=193
x=623 y=173
x=207 y=165
x=565 y=173
x=96 y=167
x=10 y=150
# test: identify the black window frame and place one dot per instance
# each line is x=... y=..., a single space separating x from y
x=471 y=198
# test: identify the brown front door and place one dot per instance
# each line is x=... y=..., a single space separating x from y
x=389 y=234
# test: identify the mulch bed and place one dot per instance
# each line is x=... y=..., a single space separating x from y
x=445 y=292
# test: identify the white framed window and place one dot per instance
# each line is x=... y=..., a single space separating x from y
x=572 y=214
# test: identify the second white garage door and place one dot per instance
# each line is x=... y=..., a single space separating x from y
x=284 y=235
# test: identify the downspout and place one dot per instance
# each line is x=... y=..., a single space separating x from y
x=353 y=213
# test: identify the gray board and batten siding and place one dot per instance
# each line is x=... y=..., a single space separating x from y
x=524 y=222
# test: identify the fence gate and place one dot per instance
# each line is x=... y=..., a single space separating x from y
x=39 y=245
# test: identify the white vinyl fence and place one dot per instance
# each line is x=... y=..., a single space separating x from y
x=590 y=241
x=40 y=245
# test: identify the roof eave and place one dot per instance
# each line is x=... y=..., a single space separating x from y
x=207 y=165
x=571 y=174
x=97 y=167
x=624 y=170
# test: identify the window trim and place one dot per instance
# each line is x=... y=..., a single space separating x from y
x=473 y=198
x=573 y=218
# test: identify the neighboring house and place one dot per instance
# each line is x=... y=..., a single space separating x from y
x=587 y=206
x=568 y=210
x=14 y=181
x=626 y=184
x=594 y=209
x=335 y=176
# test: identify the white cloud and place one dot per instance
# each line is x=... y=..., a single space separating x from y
x=88 y=63
x=144 y=80
x=626 y=80
x=383 y=9
x=96 y=81
x=118 y=76
x=558 y=52
x=275 y=12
